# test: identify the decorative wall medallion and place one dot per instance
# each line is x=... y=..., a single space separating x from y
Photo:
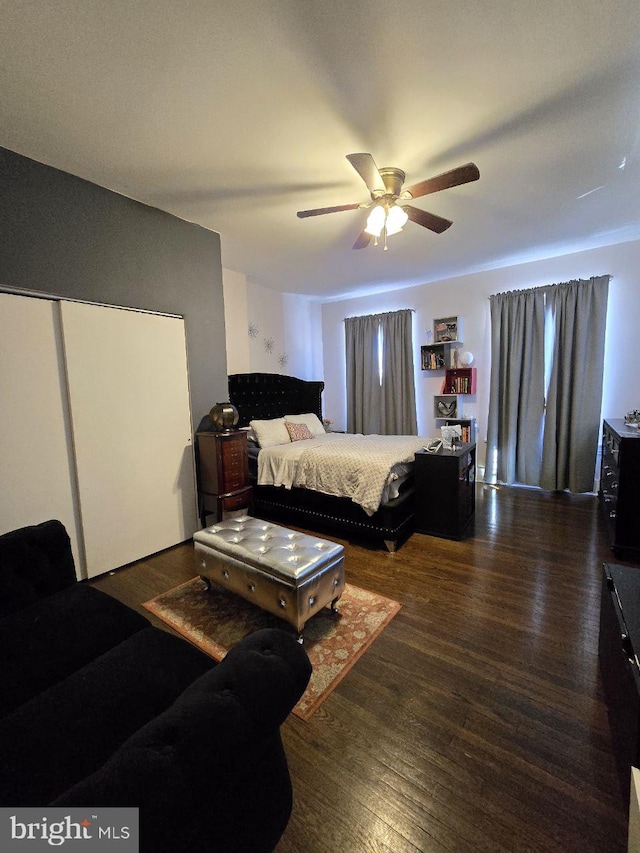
x=269 y=344
x=283 y=358
x=253 y=331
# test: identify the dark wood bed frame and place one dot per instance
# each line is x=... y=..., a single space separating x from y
x=262 y=396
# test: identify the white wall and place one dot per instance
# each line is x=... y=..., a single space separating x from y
x=234 y=288
x=467 y=297
x=267 y=344
x=303 y=335
x=270 y=332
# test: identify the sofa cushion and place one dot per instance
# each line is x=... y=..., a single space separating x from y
x=67 y=732
x=49 y=640
x=34 y=562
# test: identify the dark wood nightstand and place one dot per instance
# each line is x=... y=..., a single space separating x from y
x=445 y=491
x=223 y=473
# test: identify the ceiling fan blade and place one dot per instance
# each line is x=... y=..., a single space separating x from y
x=319 y=211
x=426 y=219
x=363 y=241
x=365 y=166
x=453 y=178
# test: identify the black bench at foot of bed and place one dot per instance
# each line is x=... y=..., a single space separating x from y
x=391 y=524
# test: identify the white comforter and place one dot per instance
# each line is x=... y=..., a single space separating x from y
x=360 y=467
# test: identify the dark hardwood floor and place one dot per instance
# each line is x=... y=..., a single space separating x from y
x=476 y=721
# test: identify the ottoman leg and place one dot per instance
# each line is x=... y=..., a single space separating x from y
x=206 y=582
x=334 y=605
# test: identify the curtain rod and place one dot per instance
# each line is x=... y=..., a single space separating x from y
x=555 y=284
x=381 y=313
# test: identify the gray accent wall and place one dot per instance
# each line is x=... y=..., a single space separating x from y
x=64 y=236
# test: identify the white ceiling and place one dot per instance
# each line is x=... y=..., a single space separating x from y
x=235 y=114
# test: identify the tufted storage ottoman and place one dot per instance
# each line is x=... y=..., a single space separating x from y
x=287 y=573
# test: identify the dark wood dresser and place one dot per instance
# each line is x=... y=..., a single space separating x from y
x=445 y=494
x=619 y=652
x=222 y=465
x=619 y=490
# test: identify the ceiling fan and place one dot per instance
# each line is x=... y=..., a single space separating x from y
x=389 y=213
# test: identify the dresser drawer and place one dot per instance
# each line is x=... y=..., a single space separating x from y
x=237 y=501
x=234 y=480
x=234 y=447
x=234 y=460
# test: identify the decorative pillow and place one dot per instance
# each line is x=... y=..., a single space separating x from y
x=270 y=433
x=311 y=420
x=298 y=432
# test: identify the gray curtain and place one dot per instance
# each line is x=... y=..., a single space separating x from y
x=516 y=398
x=375 y=407
x=574 y=398
x=363 y=377
x=398 y=385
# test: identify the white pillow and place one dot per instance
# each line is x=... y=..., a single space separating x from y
x=250 y=434
x=270 y=433
x=311 y=420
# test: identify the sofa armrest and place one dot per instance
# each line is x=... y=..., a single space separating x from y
x=195 y=764
x=35 y=561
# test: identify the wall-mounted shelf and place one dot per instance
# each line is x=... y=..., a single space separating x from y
x=445 y=406
x=459 y=380
x=438 y=356
x=446 y=330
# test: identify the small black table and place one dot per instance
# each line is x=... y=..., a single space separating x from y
x=445 y=491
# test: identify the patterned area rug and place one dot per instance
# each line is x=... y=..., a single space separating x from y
x=217 y=620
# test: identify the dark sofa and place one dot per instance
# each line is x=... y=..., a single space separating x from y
x=100 y=708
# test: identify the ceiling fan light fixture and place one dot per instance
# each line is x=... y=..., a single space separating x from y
x=387 y=218
x=396 y=219
x=376 y=220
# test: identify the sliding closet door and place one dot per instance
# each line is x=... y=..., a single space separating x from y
x=36 y=466
x=131 y=425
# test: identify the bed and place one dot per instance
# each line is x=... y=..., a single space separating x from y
x=268 y=396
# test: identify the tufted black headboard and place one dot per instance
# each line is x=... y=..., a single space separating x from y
x=261 y=396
